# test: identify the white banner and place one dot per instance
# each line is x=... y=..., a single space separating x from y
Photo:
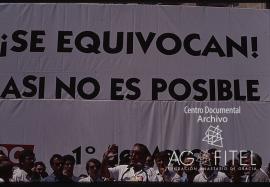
x=76 y=78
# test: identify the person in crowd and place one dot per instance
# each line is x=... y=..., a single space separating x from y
x=178 y=168
x=242 y=168
x=125 y=157
x=3 y=156
x=39 y=171
x=252 y=168
x=215 y=156
x=113 y=157
x=135 y=171
x=34 y=177
x=5 y=170
x=26 y=163
x=163 y=172
x=232 y=170
x=56 y=163
x=209 y=172
x=268 y=170
x=68 y=167
x=190 y=166
x=93 y=169
x=149 y=161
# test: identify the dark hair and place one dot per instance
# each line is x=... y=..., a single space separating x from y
x=144 y=149
x=246 y=153
x=188 y=155
x=54 y=157
x=2 y=153
x=237 y=172
x=125 y=157
x=69 y=158
x=3 y=156
x=213 y=150
x=150 y=161
x=230 y=163
x=95 y=161
x=6 y=169
x=196 y=163
x=40 y=163
x=163 y=155
x=257 y=160
x=25 y=153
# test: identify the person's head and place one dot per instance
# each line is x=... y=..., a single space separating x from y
x=268 y=170
x=40 y=168
x=27 y=159
x=68 y=165
x=257 y=159
x=206 y=160
x=56 y=163
x=93 y=168
x=252 y=162
x=113 y=157
x=149 y=161
x=232 y=170
x=214 y=156
x=125 y=157
x=138 y=155
x=178 y=168
x=191 y=165
x=6 y=170
x=3 y=156
x=162 y=160
x=207 y=163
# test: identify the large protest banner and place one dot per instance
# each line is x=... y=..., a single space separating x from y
x=75 y=78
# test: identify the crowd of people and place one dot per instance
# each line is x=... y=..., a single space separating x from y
x=138 y=165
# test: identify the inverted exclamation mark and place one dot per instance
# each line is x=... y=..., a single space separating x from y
x=3 y=51
x=254 y=47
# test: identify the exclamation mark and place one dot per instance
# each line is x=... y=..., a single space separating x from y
x=254 y=47
x=3 y=51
